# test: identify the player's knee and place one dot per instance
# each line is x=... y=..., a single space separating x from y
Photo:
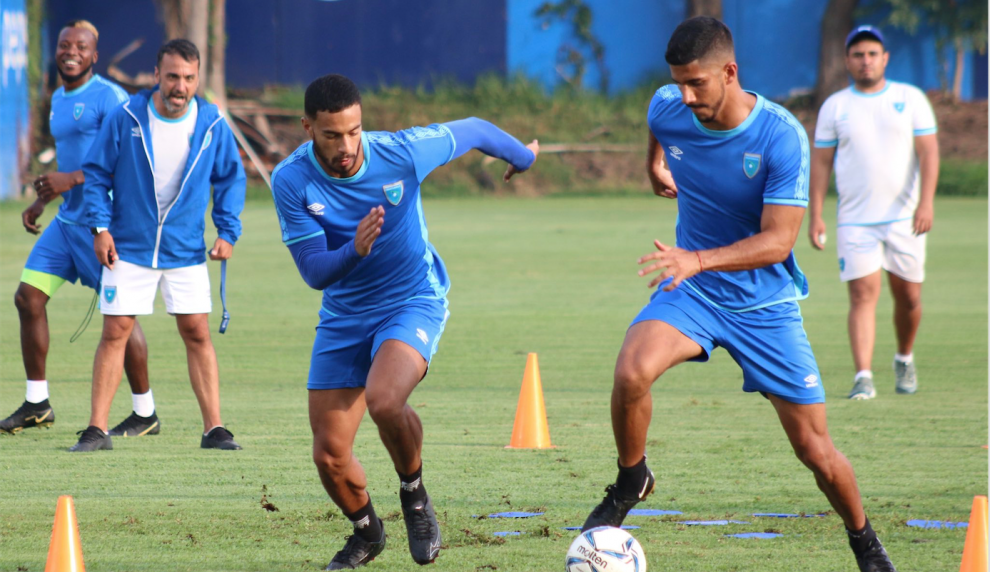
x=383 y=408
x=910 y=301
x=114 y=332
x=816 y=457
x=631 y=379
x=197 y=333
x=28 y=305
x=328 y=463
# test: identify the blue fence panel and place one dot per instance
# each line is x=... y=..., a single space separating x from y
x=15 y=128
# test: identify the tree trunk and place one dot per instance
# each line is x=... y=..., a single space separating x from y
x=218 y=45
x=711 y=8
x=175 y=16
x=958 y=74
x=198 y=33
x=836 y=23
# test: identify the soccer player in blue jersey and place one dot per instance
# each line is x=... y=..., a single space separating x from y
x=738 y=167
x=349 y=206
x=65 y=250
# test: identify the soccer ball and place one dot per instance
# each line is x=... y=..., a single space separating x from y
x=605 y=549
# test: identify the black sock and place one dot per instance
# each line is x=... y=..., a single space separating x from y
x=366 y=523
x=631 y=480
x=41 y=404
x=860 y=540
x=411 y=487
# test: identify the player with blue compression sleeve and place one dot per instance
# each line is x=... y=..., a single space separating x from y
x=737 y=165
x=349 y=207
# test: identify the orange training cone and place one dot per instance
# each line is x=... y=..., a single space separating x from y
x=65 y=550
x=531 y=430
x=975 y=551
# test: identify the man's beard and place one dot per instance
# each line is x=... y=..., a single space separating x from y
x=715 y=108
x=167 y=102
x=328 y=163
x=73 y=78
x=868 y=82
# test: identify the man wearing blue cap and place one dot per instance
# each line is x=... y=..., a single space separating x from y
x=886 y=173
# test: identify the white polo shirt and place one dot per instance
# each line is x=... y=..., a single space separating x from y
x=876 y=167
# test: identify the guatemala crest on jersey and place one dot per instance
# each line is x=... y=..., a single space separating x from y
x=110 y=293
x=393 y=192
x=899 y=106
x=77 y=111
x=751 y=164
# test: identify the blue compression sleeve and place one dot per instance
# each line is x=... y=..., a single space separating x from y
x=320 y=267
x=474 y=133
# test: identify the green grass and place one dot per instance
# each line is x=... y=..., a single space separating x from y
x=552 y=276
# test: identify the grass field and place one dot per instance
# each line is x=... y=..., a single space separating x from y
x=554 y=276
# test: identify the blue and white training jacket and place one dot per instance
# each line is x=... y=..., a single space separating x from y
x=122 y=158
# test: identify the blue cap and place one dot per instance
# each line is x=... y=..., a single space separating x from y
x=864 y=31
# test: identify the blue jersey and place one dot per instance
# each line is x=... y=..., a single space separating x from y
x=723 y=180
x=74 y=122
x=402 y=265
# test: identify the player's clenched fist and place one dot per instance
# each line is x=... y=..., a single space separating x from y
x=368 y=230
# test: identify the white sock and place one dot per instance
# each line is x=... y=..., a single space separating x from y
x=864 y=373
x=904 y=358
x=144 y=403
x=37 y=390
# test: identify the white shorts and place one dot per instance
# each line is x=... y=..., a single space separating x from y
x=894 y=247
x=129 y=289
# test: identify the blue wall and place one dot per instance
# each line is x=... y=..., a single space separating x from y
x=294 y=41
x=777 y=45
x=14 y=120
x=413 y=43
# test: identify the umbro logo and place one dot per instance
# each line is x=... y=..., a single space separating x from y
x=675 y=152
x=811 y=381
x=316 y=208
x=410 y=487
x=135 y=131
x=422 y=335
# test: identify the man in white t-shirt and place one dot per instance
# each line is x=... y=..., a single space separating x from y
x=166 y=153
x=881 y=136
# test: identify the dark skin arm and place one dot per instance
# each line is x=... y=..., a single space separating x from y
x=779 y=227
x=48 y=186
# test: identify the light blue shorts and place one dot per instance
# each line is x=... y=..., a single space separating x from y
x=66 y=250
x=769 y=344
x=345 y=345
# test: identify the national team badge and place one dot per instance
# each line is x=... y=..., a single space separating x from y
x=899 y=106
x=206 y=141
x=110 y=293
x=393 y=192
x=751 y=164
x=77 y=111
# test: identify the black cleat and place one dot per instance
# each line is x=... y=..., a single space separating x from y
x=219 y=438
x=136 y=426
x=614 y=508
x=91 y=439
x=357 y=552
x=875 y=559
x=423 y=530
x=28 y=415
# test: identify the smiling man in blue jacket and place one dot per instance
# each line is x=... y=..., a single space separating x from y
x=161 y=151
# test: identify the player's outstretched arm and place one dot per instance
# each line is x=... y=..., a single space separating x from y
x=474 y=133
x=320 y=267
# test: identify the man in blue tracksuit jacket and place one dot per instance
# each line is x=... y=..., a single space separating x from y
x=161 y=151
